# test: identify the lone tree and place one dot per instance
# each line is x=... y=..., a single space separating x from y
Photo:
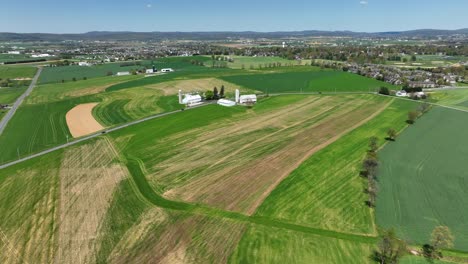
x=221 y=92
x=441 y=237
x=209 y=95
x=390 y=248
x=215 y=93
x=373 y=144
x=412 y=116
x=392 y=134
x=384 y=90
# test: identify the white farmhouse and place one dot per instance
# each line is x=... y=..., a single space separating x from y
x=402 y=93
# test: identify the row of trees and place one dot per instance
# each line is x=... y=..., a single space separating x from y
x=390 y=249
x=215 y=94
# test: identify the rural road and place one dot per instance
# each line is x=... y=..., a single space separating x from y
x=19 y=101
x=85 y=138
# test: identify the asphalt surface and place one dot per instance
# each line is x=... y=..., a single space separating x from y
x=85 y=138
x=19 y=101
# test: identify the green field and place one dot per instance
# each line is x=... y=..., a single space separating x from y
x=12 y=72
x=314 y=80
x=9 y=95
x=270 y=245
x=327 y=189
x=246 y=62
x=423 y=179
x=453 y=98
x=67 y=73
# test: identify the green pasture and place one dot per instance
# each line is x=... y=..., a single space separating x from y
x=13 y=72
x=454 y=98
x=53 y=92
x=9 y=95
x=262 y=244
x=423 y=179
x=314 y=80
x=246 y=62
x=327 y=190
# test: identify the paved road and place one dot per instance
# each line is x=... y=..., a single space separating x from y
x=19 y=101
x=79 y=140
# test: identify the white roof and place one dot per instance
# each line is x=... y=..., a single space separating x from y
x=225 y=102
x=189 y=98
x=248 y=96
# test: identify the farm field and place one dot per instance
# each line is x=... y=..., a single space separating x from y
x=246 y=62
x=53 y=92
x=453 y=98
x=9 y=95
x=270 y=245
x=13 y=72
x=221 y=157
x=314 y=80
x=423 y=180
x=67 y=73
x=327 y=190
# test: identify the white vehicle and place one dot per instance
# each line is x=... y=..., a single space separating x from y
x=167 y=70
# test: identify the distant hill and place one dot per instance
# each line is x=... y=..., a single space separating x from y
x=148 y=36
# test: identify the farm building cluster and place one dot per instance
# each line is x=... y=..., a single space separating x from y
x=194 y=99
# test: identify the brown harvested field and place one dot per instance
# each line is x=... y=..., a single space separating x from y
x=176 y=238
x=235 y=165
x=89 y=176
x=81 y=122
x=173 y=87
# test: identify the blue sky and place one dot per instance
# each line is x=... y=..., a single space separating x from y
x=79 y=16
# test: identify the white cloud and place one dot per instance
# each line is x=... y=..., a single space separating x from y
x=363 y=2
x=149 y=5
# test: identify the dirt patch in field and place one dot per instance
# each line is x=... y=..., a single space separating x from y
x=89 y=177
x=235 y=167
x=81 y=122
x=193 y=85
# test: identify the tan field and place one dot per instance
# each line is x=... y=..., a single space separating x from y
x=89 y=177
x=81 y=122
x=173 y=87
x=193 y=239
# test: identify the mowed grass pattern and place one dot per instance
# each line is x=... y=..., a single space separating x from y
x=270 y=245
x=327 y=190
x=423 y=178
x=314 y=80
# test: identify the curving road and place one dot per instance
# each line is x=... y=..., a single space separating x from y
x=19 y=101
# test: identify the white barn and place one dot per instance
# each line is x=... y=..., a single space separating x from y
x=227 y=103
x=192 y=100
x=248 y=99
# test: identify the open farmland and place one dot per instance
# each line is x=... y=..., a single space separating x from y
x=9 y=95
x=67 y=73
x=327 y=189
x=246 y=62
x=454 y=98
x=314 y=80
x=223 y=157
x=270 y=245
x=13 y=72
x=423 y=179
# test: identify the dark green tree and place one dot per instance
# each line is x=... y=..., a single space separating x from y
x=390 y=248
x=221 y=92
